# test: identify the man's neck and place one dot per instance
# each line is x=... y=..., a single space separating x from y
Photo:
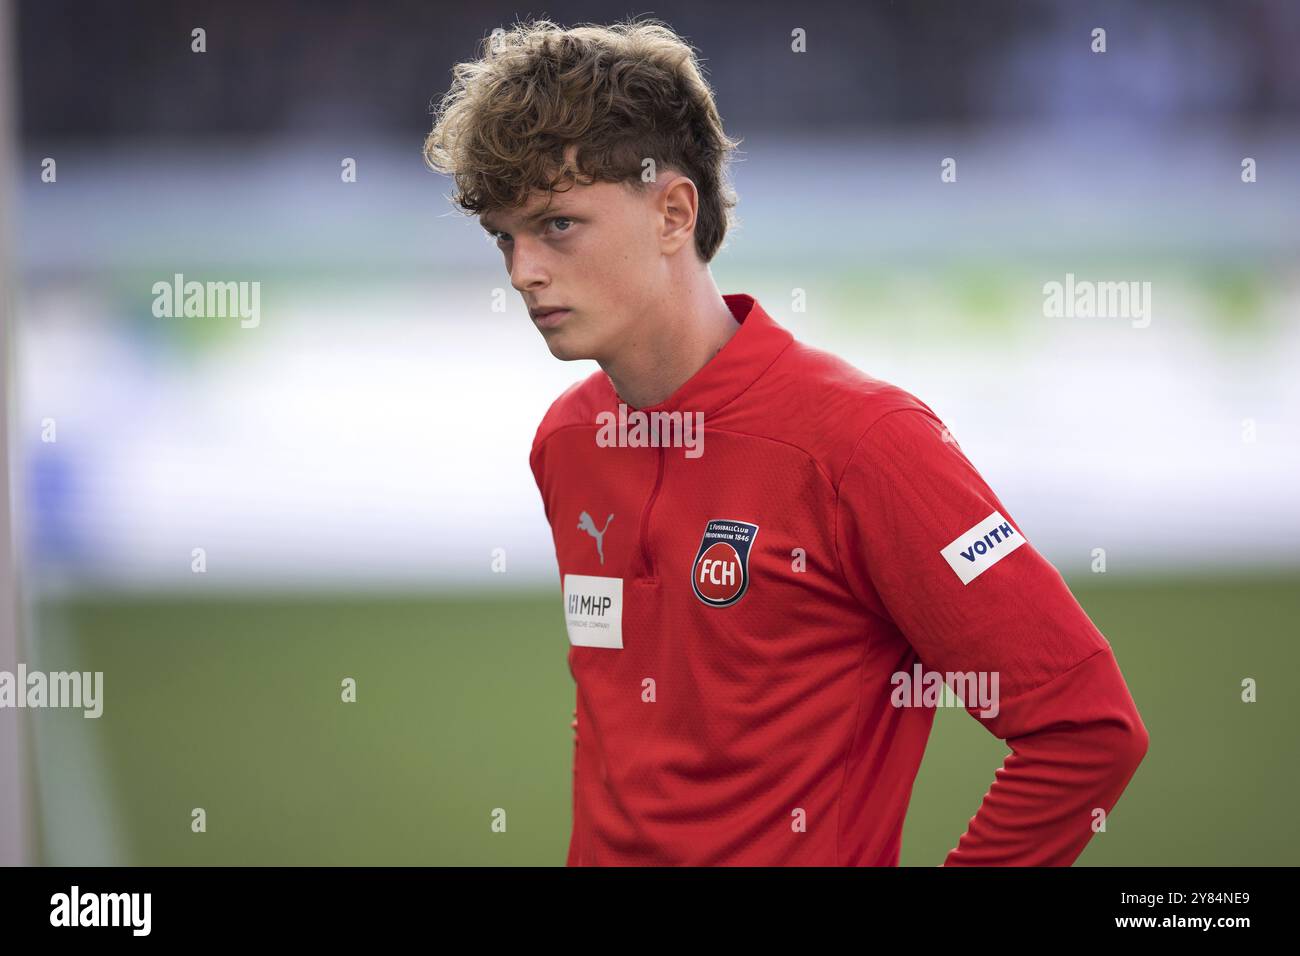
x=678 y=342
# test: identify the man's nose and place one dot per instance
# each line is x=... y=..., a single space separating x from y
x=527 y=269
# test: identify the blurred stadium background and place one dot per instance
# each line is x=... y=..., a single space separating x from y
x=350 y=464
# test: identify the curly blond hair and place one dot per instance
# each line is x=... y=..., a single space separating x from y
x=620 y=94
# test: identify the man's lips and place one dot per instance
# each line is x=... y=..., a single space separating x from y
x=548 y=317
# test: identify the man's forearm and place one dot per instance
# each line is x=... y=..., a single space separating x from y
x=1064 y=775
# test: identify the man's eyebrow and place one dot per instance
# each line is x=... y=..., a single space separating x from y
x=553 y=209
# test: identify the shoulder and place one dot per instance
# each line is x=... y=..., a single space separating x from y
x=827 y=405
x=576 y=405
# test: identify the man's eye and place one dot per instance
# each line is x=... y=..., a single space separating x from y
x=498 y=236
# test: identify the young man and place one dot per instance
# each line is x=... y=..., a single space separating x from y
x=758 y=602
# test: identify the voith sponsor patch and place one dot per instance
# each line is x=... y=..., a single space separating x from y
x=720 y=574
x=975 y=551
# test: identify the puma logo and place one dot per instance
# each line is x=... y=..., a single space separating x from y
x=586 y=524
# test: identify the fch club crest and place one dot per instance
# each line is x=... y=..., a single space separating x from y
x=720 y=575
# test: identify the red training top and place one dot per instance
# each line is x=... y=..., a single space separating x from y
x=754 y=615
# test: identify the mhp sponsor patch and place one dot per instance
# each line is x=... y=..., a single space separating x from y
x=593 y=610
x=720 y=574
x=983 y=546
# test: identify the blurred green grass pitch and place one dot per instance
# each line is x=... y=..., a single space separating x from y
x=233 y=704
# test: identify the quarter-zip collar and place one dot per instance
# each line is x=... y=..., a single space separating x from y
x=737 y=365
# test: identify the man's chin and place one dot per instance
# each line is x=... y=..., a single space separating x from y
x=565 y=350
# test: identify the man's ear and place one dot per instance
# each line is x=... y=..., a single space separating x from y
x=679 y=205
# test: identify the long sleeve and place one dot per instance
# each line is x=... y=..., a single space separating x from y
x=535 y=461
x=572 y=859
x=922 y=539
